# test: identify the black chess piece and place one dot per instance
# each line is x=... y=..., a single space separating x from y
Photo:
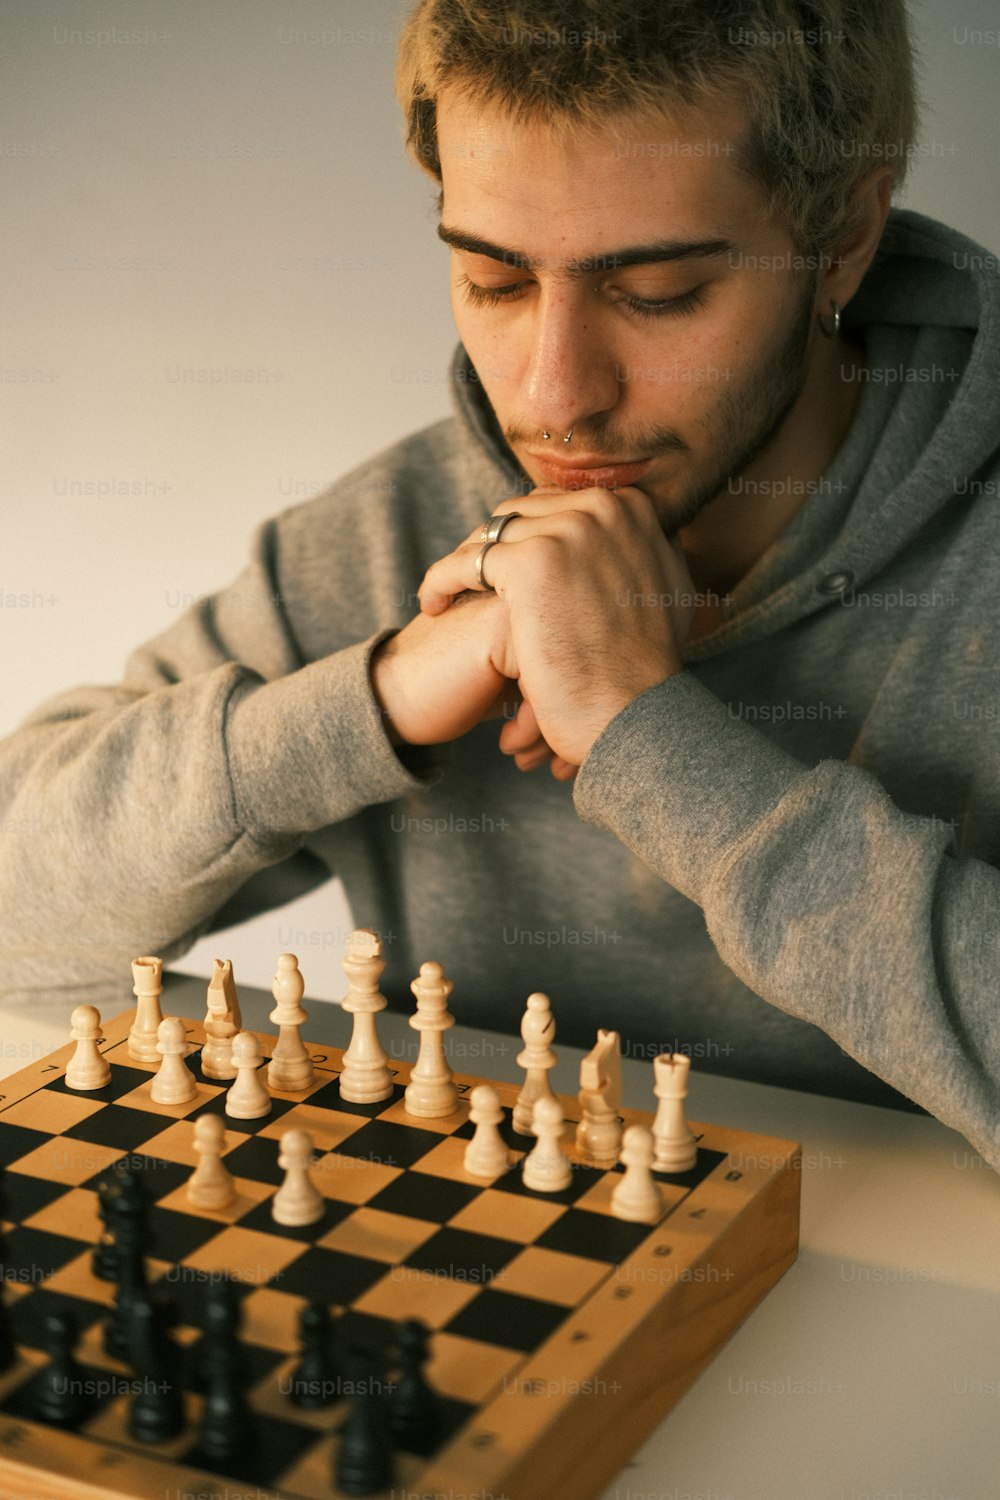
x=127 y=1203
x=415 y=1415
x=315 y=1380
x=227 y=1426
x=104 y=1261
x=157 y=1409
x=60 y=1393
x=364 y=1462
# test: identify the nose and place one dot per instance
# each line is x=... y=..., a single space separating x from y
x=571 y=373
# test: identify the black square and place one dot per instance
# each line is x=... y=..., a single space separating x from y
x=473 y=1258
x=261 y=1218
x=159 y=1177
x=419 y=1195
x=583 y=1179
x=24 y=1195
x=596 y=1236
x=256 y=1158
x=707 y=1162
x=28 y=1313
x=274 y=1446
x=17 y=1141
x=123 y=1080
x=322 y=1275
x=511 y=1137
x=174 y=1234
x=217 y=1106
x=118 y=1125
x=390 y=1144
x=509 y=1320
x=328 y=1097
x=33 y=1254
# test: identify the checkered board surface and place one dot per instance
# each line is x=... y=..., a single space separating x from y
x=561 y=1334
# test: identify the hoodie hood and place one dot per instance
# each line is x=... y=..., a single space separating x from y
x=928 y=315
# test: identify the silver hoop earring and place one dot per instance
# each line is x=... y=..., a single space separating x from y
x=830 y=327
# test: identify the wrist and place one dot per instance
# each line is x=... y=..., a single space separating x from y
x=380 y=672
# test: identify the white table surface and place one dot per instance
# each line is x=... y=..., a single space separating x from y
x=870 y=1372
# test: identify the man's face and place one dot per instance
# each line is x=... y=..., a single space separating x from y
x=693 y=388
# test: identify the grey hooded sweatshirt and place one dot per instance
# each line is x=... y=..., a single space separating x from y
x=782 y=860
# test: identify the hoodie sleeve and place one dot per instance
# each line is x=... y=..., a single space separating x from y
x=819 y=893
x=131 y=813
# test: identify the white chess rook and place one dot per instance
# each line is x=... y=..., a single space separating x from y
x=87 y=1068
x=290 y=1068
x=147 y=986
x=247 y=1099
x=211 y=1185
x=222 y=1022
x=538 y=1031
x=676 y=1149
x=546 y=1169
x=298 y=1201
x=173 y=1083
x=637 y=1197
x=486 y=1155
x=431 y=1092
x=366 y=1075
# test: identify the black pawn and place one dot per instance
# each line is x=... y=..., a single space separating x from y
x=157 y=1410
x=315 y=1380
x=60 y=1396
x=415 y=1415
x=364 y=1454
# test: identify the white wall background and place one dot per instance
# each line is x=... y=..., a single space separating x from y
x=194 y=191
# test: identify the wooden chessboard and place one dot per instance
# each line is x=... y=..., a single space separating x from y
x=561 y=1334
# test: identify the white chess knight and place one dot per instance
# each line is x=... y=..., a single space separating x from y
x=599 y=1133
x=538 y=1031
x=173 y=1083
x=545 y=1168
x=676 y=1149
x=211 y=1184
x=486 y=1155
x=87 y=1068
x=222 y=1022
x=290 y=1068
x=431 y=1092
x=366 y=1075
x=247 y=1099
x=298 y=1201
x=147 y=986
x=637 y=1197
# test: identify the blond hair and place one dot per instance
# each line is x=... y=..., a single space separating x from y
x=825 y=86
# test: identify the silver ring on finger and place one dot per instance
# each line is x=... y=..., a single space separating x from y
x=494 y=525
x=480 y=556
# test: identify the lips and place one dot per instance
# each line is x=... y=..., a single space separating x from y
x=606 y=476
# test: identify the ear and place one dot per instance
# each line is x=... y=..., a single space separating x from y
x=852 y=257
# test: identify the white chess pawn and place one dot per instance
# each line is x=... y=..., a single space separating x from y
x=290 y=1068
x=636 y=1196
x=173 y=1083
x=298 y=1201
x=211 y=1184
x=431 y=1093
x=546 y=1169
x=486 y=1155
x=676 y=1149
x=248 y=1099
x=87 y=1068
x=538 y=1031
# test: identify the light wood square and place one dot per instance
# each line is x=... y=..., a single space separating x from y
x=73 y=1213
x=467 y=1368
x=244 y=1254
x=598 y=1198
x=141 y=1098
x=444 y=1124
x=352 y=1179
x=65 y=1160
x=565 y=1279
x=176 y=1143
x=327 y=1127
x=378 y=1235
x=405 y=1291
x=249 y=1193
x=51 y=1111
x=446 y=1160
x=507 y=1217
x=272 y=1318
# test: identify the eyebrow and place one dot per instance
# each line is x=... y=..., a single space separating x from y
x=580 y=266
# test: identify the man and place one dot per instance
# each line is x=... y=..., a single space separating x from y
x=722 y=415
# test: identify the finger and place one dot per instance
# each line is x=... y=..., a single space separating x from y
x=531 y=760
x=522 y=732
x=448 y=577
x=563 y=770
